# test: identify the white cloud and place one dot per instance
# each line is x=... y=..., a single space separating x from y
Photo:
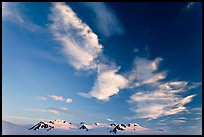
x=5 y=10
x=156 y=103
x=24 y=119
x=68 y=100
x=58 y=98
x=136 y=50
x=163 y=124
x=154 y=78
x=199 y=113
x=177 y=121
x=157 y=98
x=42 y=98
x=174 y=86
x=80 y=43
x=61 y=98
x=108 y=119
x=59 y=110
x=189 y=5
x=143 y=72
x=184 y=13
x=12 y=12
x=194 y=127
x=53 y=111
x=196 y=109
x=82 y=48
x=196 y=118
x=85 y=95
x=182 y=118
x=44 y=110
x=105 y=19
x=19 y=117
x=195 y=85
x=108 y=83
x=64 y=108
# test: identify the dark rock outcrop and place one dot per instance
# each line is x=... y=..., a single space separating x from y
x=41 y=125
x=160 y=129
x=113 y=124
x=117 y=128
x=83 y=127
x=123 y=125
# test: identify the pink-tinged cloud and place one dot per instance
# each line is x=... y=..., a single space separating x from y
x=69 y=100
x=42 y=98
x=58 y=98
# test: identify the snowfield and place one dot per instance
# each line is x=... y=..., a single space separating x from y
x=62 y=127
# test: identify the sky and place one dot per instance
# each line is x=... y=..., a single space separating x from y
x=103 y=62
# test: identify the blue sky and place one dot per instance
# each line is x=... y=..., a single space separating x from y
x=105 y=62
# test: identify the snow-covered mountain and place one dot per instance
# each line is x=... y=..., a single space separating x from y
x=61 y=124
x=63 y=127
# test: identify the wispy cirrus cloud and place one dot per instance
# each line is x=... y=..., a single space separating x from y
x=42 y=110
x=79 y=43
x=61 y=98
x=42 y=98
x=24 y=119
x=184 y=12
x=197 y=118
x=190 y=5
x=178 y=121
x=10 y=12
x=196 y=109
x=106 y=19
x=110 y=120
x=84 y=94
x=156 y=98
x=13 y=12
x=52 y=110
x=143 y=72
x=58 y=98
x=181 y=118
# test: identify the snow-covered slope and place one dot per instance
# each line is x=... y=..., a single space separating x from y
x=13 y=129
x=59 y=124
x=63 y=127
